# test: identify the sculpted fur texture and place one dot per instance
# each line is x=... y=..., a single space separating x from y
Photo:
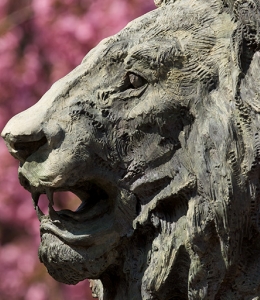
x=157 y=133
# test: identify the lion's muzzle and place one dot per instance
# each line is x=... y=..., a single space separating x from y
x=23 y=135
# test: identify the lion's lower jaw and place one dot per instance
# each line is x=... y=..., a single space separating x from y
x=64 y=264
x=69 y=264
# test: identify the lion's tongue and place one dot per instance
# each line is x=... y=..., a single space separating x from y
x=86 y=211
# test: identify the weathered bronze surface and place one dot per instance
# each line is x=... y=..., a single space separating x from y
x=157 y=132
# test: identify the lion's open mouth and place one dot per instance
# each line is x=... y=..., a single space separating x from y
x=94 y=202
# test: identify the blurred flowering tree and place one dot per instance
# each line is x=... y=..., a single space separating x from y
x=41 y=41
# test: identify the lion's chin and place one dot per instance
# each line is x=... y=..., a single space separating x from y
x=64 y=263
x=71 y=264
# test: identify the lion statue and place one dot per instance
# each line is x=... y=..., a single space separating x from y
x=157 y=133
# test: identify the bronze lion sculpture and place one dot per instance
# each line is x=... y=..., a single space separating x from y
x=157 y=133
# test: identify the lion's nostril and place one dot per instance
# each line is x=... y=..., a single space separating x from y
x=26 y=146
x=25 y=149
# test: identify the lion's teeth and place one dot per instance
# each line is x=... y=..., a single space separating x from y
x=52 y=212
x=35 y=198
x=40 y=214
x=49 y=194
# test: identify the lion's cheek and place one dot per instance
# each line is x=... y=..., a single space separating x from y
x=72 y=264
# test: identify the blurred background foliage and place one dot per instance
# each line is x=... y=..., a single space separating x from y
x=41 y=41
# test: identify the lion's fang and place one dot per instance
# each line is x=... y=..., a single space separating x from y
x=40 y=214
x=49 y=194
x=35 y=198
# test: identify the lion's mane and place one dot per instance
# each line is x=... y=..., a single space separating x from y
x=214 y=218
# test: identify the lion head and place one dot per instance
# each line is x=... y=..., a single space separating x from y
x=157 y=132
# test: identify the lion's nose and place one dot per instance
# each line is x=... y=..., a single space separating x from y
x=23 y=136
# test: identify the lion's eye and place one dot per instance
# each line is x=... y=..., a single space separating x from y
x=135 y=81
